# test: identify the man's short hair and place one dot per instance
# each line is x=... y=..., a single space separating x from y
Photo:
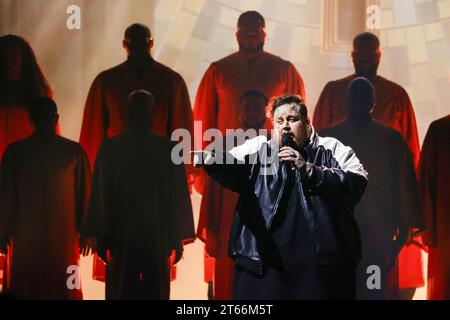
x=139 y=107
x=253 y=94
x=366 y=37
x=287 y=98
x=42 y=106
x=250 y=15
x=137 y=28
x=361 y=89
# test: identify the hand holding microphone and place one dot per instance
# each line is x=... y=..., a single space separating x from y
x=289 y=154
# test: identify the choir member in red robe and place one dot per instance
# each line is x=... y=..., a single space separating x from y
x=140 y=208
x=44 y=191
x=21 y=81
x=394 y=109
x=104 y=113
x=391 y=203
x=218 y=204
x=217 y=100
x=434 y=180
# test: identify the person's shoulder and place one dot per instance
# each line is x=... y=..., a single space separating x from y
x=333 y=130
x=161 y=140
x=166 y=72
x=112 y=71
x=16 y=146
x=70 y=145
x=329 y=142
x=387 y=132
x=224 y=62
x=391 y=86
x=441 y=123
x=109 y=74
x=340 y=83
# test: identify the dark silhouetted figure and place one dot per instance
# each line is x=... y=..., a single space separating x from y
x=218 y=204
x=393 y=109
x=105 y=109
x=140 y=208
x=44 y=190
x=434 y=180
x=391 y=204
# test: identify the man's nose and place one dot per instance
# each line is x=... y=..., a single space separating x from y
x=286 y=126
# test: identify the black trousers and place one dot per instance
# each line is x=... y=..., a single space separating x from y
x=309 y=283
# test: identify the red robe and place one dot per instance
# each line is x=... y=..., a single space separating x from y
x=393 y=109
x=44 y=195
x=105 y=110
x=434 y=180
x=216 y=106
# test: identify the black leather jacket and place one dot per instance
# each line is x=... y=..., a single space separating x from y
x=335 y=183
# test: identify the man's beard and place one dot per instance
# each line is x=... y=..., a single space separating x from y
x=258 y=48
x=367 y=73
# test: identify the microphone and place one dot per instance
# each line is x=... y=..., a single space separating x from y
x=288 y=141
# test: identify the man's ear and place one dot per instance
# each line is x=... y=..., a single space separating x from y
x=124 y=44
x=151 y=44
x=265 y=35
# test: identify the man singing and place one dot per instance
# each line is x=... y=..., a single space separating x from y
x=293 y=235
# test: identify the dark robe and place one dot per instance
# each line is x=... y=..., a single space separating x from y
x=434 y=181
x=393 y=109
x=105 y=110
x=140 y=210
x=391 y=200
x=44 y=196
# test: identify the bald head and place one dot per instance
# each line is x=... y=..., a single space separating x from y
x=251 y=34
x=137 y=30
x=366 y=55
x=366 y=39
x=360 y=97
x=251 y=17
x=138 y=40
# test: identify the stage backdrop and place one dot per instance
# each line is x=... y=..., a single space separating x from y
x=190 y=34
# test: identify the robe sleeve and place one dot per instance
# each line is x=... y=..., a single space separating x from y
x=322 y=113
x=83 y=188
x=295 y=84
x=99 y=209
x=205 y=110
x=181 y=223
x=427 y=177
x=95 y=120
x=409 y=128
x=206 y=105
x=8 y=196
x=181 y=117
x=409 y=206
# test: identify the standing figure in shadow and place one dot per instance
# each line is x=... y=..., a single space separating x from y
x=140 y=207
x=44 y=190
x=391 y=204
x=434 y=177
x=21 y=81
